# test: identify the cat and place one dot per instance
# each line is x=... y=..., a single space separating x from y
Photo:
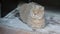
x=33 y=15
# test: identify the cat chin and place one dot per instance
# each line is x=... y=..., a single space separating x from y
x=37 y=17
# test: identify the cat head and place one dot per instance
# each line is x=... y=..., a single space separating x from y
x=37 y=12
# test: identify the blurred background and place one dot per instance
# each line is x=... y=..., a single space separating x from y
x=9 y=5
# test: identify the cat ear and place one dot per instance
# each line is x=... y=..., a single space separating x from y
x=41 y=8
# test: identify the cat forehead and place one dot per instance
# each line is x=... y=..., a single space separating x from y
x=38 y=7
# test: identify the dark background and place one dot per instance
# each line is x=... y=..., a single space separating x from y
x=9 y=5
